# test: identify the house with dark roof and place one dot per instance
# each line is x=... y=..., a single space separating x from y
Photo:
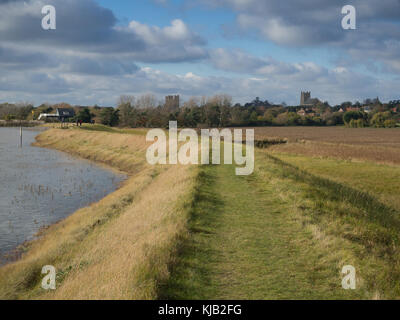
x=61 y=114
x=65 y=113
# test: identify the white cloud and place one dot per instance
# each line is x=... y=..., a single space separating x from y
x=90 y=60
x=84 y=28
x=317 y=23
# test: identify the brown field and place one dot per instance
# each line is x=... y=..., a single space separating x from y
x=377 y=145
x=342 y=135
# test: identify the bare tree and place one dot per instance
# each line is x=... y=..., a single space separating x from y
x=126 y=107
x=147 y=101
x=220 y=100
x=191 y=103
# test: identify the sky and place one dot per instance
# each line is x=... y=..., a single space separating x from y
x=272 y=49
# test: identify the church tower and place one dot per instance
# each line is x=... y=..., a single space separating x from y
x=305 y=96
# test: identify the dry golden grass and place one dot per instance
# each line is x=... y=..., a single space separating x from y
x=118 y=248
x=121 y=151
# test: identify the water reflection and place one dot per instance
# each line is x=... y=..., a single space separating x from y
x=40 y=186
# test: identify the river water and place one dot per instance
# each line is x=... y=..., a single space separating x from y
x=39 y=187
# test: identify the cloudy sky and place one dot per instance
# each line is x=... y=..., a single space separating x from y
x=272 y=49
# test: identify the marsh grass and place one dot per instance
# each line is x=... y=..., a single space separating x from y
x=119 y=247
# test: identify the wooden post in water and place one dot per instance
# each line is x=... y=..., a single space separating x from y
x=20 y=136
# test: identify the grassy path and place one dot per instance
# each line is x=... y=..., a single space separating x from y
x=246 y=243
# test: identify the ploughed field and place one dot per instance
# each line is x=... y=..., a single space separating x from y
x=340 y=135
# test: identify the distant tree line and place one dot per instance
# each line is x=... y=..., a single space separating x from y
x=219 y=111
x=19 y=111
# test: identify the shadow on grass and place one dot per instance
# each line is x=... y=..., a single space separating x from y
x=98 y=127
x=104 y=128
x=375 y=210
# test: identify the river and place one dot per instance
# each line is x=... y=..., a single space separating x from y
x=39 y=187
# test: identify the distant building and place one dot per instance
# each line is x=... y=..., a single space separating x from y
x=309 y=113
x=367 y=109
x=352 y=109
x=65 y=113
x=302 y=113
x=306 y=100
x=172 y=102
x=61 y=114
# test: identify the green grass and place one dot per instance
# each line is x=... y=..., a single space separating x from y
x=382 y=181
x=249 y=241
x=98 y=127
x=285 y=233
x=103 y=128
x=370 y=227
x=326 y=189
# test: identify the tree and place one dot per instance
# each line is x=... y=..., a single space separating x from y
x=146 y=101
x=353 y=115
x=213 y=115
x=127 y=112
x=84 y=115
x=19 y=111
x=109 y=117
x=225 y=115
x=346 y=104
x=237 y=116
x=378 y=119
x=390 y=123
x=191 y=103
x=43 y=108
x=253 y=117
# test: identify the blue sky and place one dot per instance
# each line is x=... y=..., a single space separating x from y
x=213 y=24
x=102 y=49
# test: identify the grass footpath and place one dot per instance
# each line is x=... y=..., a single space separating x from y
x=249 y=241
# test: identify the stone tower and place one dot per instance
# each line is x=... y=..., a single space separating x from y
x=172 y=102
x=305 y=96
